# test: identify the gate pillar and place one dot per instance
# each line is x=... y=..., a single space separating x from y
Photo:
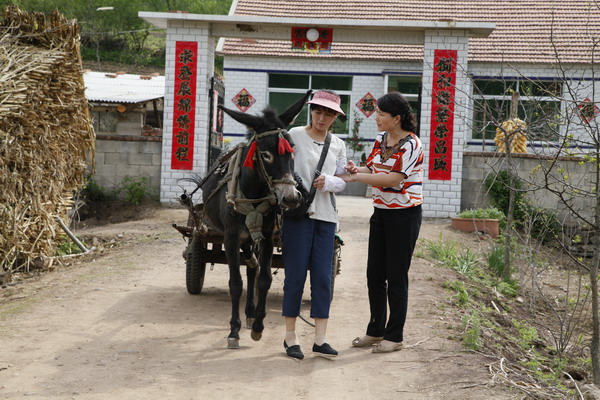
x=189 y=66
x=444 y=119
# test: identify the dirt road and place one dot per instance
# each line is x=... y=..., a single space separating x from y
x=121 y=325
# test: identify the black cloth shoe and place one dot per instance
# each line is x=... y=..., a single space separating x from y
x=293 y=351
x=324 y=350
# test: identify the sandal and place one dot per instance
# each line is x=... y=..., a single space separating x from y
x=366 y=341
x=387 y=347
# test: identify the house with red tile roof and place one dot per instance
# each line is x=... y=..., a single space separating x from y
x=465 y=66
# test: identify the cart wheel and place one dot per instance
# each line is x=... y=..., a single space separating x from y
x=194 y=266
x=335 y=262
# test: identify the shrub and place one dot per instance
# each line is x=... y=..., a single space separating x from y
x=442 y=251
x=543 y=223
x=94 y=192
x=483 y=213
x=135 y=190
x=498 y=187
x=496 y=260
x=472 y=328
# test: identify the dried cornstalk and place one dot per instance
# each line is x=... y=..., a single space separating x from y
x=46 y=135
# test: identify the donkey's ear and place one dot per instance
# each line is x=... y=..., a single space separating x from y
x=288 y=116
x=249 y=120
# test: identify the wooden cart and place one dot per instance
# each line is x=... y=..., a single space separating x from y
x=207 y=248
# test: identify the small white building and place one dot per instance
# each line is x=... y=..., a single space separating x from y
x=127 y=112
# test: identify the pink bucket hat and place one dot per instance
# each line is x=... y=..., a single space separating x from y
x=328 y=100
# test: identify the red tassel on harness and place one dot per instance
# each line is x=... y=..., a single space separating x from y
x=249 y=161
x=284 y=146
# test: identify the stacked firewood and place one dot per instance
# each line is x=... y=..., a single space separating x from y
x=46 y=134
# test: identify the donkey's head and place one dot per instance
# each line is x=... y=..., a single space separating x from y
x=269 y=150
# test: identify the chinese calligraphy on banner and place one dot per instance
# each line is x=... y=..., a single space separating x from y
x=442 y=114
x=184 y=109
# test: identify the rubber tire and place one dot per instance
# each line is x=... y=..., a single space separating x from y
x=194 y=266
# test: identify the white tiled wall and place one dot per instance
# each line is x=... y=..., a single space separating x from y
x=171 y=180
x=251 y=73
x=442 y=198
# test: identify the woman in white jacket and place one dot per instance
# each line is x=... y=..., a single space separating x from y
x=308 y=241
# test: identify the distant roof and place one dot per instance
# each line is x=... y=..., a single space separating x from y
x=528 y=31
x=123 y=88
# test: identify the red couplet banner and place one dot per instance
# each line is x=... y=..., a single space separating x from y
x=184 y=108
x=443 y=93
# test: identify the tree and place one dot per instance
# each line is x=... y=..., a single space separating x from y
x=119 y=34
x=563 y=117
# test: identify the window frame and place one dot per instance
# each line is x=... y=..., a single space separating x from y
x=302 y=91
x=99 y=115
x=523 y=100
x=412 y=98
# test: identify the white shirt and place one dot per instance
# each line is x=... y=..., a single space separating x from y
x=307 y=153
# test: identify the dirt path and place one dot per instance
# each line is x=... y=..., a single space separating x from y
x=122 y=326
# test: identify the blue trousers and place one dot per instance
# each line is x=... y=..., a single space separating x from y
x=307 y=245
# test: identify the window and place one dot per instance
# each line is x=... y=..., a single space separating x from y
x=285 y=89
x=538 y=105
x=410 y=87
x=105 y=122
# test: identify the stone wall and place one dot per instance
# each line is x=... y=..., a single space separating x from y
x=477 y=166
x=118 y=157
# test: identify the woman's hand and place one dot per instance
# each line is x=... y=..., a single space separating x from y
x=351 y=167
x=319 y=183
x=348 y=177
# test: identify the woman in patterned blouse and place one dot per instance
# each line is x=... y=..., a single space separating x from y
x=395 y=170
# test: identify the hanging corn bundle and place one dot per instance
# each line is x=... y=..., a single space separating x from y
x=46 y=136
x=516 y=130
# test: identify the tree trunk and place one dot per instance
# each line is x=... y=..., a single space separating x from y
x=511 y=191
x=595 y=347
x=595 y=320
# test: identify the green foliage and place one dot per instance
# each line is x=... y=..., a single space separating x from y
x=472 y=328
x=132 y=191
x=508 y=288
x=120 y=35
x=496 y=260
x=354 y=141
x=135 y=190
x=462 y=295
x=464 y=261
x=94 y=192
x=441 y=250
x=147 y=58
x=498 y=186
x=543 y=223
x=483 y=213
x=66 y=246
x=527 y=334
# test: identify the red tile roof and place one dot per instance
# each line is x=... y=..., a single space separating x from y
x=526 y=31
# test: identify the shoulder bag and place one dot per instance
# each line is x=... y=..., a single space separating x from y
x=306 y=198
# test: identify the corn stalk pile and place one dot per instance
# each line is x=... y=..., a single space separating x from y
x=46 y=135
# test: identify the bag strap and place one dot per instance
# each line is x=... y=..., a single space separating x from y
x=324 y=151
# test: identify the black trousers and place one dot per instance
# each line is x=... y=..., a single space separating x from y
x=393 y=234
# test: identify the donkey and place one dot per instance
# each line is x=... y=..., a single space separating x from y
x=242 y=201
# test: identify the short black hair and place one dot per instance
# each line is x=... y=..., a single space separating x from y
x=396 y=104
